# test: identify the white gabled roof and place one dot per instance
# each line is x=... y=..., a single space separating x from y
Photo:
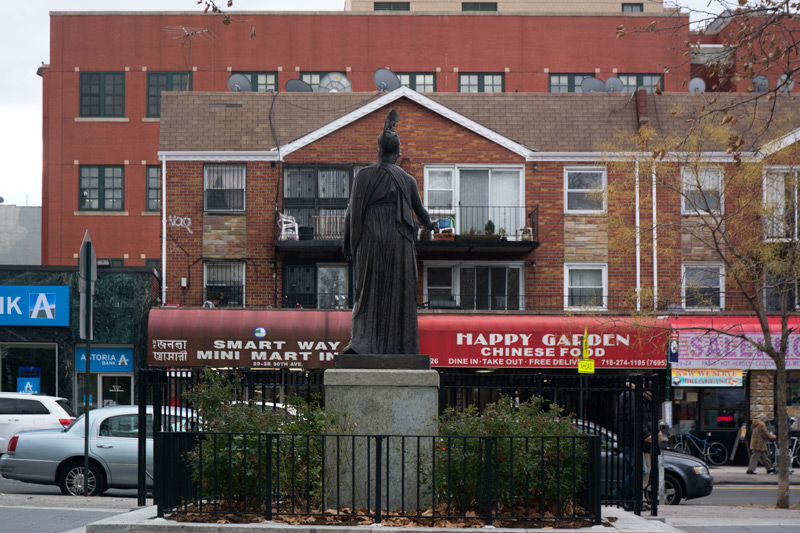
x=405 y=92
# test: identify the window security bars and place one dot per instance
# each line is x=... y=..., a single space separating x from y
x=346 y=477
x=224 y=284
x=224 y=187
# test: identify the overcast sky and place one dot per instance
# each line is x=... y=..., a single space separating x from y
x=24 y=43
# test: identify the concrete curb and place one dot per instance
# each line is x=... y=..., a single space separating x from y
x=145 y=521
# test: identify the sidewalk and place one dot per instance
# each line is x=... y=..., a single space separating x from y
x=735 y=475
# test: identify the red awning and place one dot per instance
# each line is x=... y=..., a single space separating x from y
x=310 y=338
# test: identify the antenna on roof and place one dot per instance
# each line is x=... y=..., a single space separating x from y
x=386 y=80
x=760 y=84
x=785 y=83
x=187 y=35
x=298 y=86
x=593 y=85
x=614 y=85
x=335 y=82
x=697 y=85
x=239 y=83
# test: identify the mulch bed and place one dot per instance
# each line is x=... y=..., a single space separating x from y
x=238 y=514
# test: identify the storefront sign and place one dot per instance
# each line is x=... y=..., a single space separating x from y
x=715 y=350
x=34 y=305
x=706 y=377
x=105 y=359
x=306 y=338
x=29 y=385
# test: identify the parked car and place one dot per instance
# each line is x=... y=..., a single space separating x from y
x=55 y=457
x=25 y=412
x=685 y=477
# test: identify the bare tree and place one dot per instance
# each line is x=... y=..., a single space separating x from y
x=728 y=190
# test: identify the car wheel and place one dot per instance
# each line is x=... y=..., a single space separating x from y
x=673 y=492
x=71 y=479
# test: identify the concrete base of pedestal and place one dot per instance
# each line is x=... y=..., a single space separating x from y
x=389 y=404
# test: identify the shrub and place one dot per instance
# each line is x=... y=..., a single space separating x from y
x=231 y=459
x=540 y=472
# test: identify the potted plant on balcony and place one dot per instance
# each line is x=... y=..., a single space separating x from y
x=502 y=232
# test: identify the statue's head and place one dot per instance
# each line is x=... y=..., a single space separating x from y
x=389 y=141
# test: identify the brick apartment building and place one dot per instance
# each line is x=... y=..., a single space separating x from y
x=252 y=223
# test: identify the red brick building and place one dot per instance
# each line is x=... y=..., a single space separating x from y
x=256 y=186
x=106 y=71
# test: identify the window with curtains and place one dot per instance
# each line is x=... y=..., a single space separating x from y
x=586 y=286
x=495 y=286
x=316 y=196
x=702 y=190
x=780 y=203
x=224 y=186
x=473 y=196
x=584 y=190
x=703 y=286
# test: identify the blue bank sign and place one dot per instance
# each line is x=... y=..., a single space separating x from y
x=34 y=305
x=105 y=359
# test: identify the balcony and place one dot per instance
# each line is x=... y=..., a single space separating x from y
x=507 y=230
x=474 y=229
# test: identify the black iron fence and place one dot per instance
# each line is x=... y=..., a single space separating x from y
x=611 y=408
x=381 y=478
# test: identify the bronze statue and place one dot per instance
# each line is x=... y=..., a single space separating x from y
x=379 y=236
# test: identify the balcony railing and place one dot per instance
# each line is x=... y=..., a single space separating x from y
x=512 y=223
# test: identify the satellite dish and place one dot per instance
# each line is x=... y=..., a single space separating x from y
x=697 y=85
x=239 y=83
x=298 y=86
x=335 y=82
x=760 y=84
x=613 y=85
x=593 y=85
x=386 y=80
x=785 y=86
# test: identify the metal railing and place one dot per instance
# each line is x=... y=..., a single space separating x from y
x=317 y=300
x=514 y=223
x=380 y=478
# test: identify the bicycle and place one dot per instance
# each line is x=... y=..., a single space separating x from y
x=794 y=451
x=711 y=452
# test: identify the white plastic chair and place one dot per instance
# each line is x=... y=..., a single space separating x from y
x=290 y=231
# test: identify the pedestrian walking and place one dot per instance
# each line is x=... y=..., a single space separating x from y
x=758 y=446
x=628 y=432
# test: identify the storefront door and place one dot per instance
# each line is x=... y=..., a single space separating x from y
x=116 y=389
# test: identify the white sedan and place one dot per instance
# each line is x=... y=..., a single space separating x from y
x=56 y=457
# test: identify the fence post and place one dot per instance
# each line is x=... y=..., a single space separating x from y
x=158 y=448
x=487 y=470
x=141 y=491
x=269 y=476
x=378 y=443
x=594 y=479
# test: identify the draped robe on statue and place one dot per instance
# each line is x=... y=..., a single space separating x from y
x=380 y=232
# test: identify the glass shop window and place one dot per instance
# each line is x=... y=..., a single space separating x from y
x=723 y=408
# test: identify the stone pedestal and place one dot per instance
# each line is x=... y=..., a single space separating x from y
x=388 y=404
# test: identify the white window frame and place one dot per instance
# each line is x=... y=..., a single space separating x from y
x=455 y=287
x=686 y=173
x=567 y=190
x=703 y=265
x=456 y=191
x=770 y=225
x=586 y=266
x=206 y=189
x=209 y=262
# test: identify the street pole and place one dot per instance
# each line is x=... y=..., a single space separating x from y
x=87 y=274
